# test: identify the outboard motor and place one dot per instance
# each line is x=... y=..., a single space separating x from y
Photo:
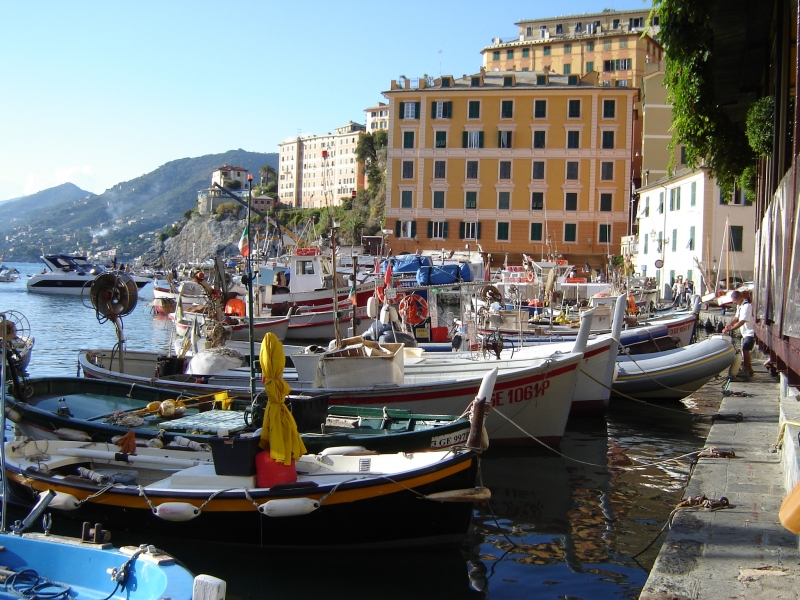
x=386 y=333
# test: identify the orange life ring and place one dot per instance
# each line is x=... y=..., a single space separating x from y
x=305 y=252
x=631 y=304
x=529 y=276
x=561 y=262
x=414 y=309
x=380 y=292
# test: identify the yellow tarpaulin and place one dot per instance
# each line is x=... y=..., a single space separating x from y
x=279 y=431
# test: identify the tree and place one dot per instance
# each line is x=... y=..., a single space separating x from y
x=268 y=175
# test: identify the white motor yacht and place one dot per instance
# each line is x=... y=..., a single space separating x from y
x=67 y=274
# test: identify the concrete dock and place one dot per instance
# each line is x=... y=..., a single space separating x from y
x=741 y=551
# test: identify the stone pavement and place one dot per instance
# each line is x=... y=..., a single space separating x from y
x=742 y=551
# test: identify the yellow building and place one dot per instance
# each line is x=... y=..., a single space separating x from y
x=616 y=44
x=511 y=163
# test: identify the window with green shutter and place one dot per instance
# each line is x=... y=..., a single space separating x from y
x=472 y=169
x=605 y=202
x=502 y=232
x=503 y=200
x=693 y=196
x=674 y=240
x=408 y=139
x=540 y=109
x=438 y=199
x=441 y=139
x=474 y=109
x=574 y=109
x=538 y=169
x=471 y=200
x=737 y=238
x=570 y=232
x=573 y=139
x=441 y=110
x=539 y=139
x=439 y=169
x=536 y=232
x=537 y=200
x=406 y=199
x=605 y=234
x=505 y=169
x=608 y=140
x=609 y=109
x=507 y=109
x=571 y=201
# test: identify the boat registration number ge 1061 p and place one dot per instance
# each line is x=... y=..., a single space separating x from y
x=520 y=394
x=445 y=441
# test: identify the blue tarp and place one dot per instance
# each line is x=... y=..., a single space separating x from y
x=406 y=263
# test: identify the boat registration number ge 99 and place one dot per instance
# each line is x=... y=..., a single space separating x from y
x=520 y=394
x=445 y=441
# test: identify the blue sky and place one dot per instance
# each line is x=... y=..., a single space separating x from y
x=98 y=92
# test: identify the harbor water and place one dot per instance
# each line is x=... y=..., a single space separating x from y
x=582 y=522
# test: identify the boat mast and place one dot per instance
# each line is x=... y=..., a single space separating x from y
x=249 y=271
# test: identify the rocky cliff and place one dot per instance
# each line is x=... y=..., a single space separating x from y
x=200 y=239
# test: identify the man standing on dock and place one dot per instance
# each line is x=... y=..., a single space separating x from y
x=743 y=320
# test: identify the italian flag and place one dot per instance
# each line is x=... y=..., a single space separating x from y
x=244 y=242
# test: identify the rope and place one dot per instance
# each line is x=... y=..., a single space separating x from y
x=782 y=431
x=29 y=584
x=608 y=387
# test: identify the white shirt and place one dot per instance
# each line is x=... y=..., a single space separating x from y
x=744 y=312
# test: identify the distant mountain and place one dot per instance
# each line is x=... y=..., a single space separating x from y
x=17 y=210
x=128 y=215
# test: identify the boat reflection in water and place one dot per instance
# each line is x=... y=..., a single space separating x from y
x=559 y=528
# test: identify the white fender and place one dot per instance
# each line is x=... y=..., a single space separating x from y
x=63 y=501
x=72 y=435
x=733 y=371
x=11 y=414
x=345 y=450
x=176 y=511
x=477 y=494
x=372 y=307
x=289 y=507
x=155 y=443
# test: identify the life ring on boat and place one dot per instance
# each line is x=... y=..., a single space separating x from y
x=491 y=293
x=631 y=304
x=414 y=309
x=305 y=252
x=561 y=262
x=380 y=292
x=530 y=276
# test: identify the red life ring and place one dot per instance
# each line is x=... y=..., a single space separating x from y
x=414 y=309
x=529 y=276
x=305 y=252
x=631 y=304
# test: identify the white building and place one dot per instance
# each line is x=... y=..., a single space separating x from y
x=377 y=117
x=318 y=170
x=686 y=229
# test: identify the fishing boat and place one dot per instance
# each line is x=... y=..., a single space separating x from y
x=77 y=408
x=8 y=274
x=67 y=274
x=673 y=374
x=18 y=339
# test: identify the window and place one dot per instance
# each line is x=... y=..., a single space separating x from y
x=537 y=200
x=589 y=45
x=437 y=229
x=526 y=53
x=441 y=110
x=505 y=169
x=408 y=139
x=408 y=169
x=645 y=243
x=570 y=232
x=661 y=203
x=621 y=83
x=508 y=81
x=471 y=200
x=469 y=231
x=509 y=54
x=737 y=238
x=589 y=66
x=496 y=55
x=608 y=140
x=674 y=240
x=502 y=232
x=541 y=80
x=675 y=199
x=474 y=111
x=567 y=69
x=615 y=24
x=606 y=171
x=507 y=109
x=406 y=229
x=438 y=199
x=574 y=109
x=439 y=169
x=605 y=202
x=538 y=139
x=572 y=169
x=409 y=110
x=406 y=199
x=503 y=200
x=446 y=82
x=609 y=109
x=504 y=139
x=472 y=139
x=472 y=169
x=606 y=44
x=623 y=43
x=604 y=236
x=636 y=22
x=567 y=48
x=542 y=31
x=546 y=50
x=619 y=64
x=536 y=232
x=559 y=29
x=578 y=27
x=683 y=155
x=538 y=169
x=571 y=201
x=573 y=139
x=475 y=82
x=441 y=139
x=690 y=244
x=540 y=109
x=693 y=194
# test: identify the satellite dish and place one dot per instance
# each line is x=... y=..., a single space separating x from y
x=114 y=295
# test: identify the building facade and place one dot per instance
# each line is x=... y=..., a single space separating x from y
x=377 y=117
x=319 y=170
x=511 y=163
x=615 y=44
x=208 y=200
x=688 y=228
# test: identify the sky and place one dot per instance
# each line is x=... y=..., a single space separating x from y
x=99 y=92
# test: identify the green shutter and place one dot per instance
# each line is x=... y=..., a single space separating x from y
x=444 y=230
x=499 y=138
x=464 y=139
x=413 y=229
x=461 y=230
x=448 y=110
x=478 y=233
x=480 y=139
x=402 y=110
x=430 y=229
x=398 y=227
x=417 y=111
x=433 y=110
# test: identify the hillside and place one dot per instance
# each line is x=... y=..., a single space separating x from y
x=18 y=210
x=128 y=215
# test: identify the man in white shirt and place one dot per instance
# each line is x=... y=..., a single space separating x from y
x=744 y=321
x=677 y=292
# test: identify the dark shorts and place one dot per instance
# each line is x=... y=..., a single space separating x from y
x=748 y=343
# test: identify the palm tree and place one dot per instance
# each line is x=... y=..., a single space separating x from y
x=267 y=174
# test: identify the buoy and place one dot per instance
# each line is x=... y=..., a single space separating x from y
x=372 y=307
x=72 y=435
x=63 y=501
x=289 y=507
x=155 y=443
x=176 y=511
x=478 y=494
x=167 y=408
x=11 y=414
